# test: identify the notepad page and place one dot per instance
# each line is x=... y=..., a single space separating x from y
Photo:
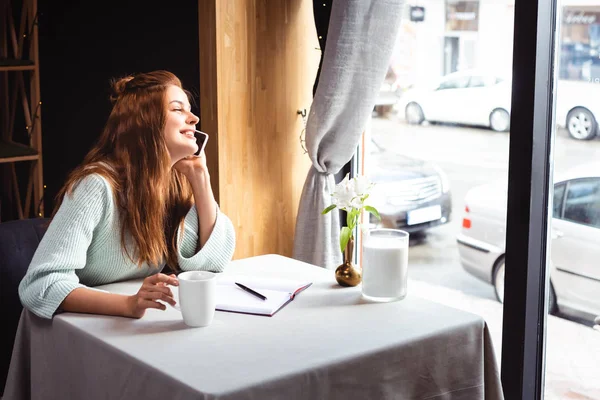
x=256 y=283
x=232 y=298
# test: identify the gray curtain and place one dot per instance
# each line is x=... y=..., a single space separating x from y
x=360 y=40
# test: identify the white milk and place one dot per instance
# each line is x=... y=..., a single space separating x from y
x=385 y=268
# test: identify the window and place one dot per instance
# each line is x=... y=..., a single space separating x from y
x=462 y=15
x=455 y=83
x=557 y=203
x=580 y=44
x=482 y=81
x=582 y=204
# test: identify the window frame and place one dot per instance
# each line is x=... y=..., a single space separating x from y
x=529 y=211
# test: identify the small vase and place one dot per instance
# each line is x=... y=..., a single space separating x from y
x=348 y=274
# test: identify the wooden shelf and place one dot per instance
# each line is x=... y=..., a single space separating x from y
x=17 y=68
x=13 y=152
x=16 y=65
x=20 y=99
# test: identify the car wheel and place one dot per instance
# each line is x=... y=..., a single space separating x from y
x=498 y=280
x=581 y=124
x=414 y=114
x=500 y=120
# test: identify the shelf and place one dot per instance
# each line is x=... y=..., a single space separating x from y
x=7 y=64
x=13 y=152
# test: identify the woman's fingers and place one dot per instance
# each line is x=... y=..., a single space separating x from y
x=158 y=288
x=155 y=288
x=156 y=295
x=143 y=303
x=158 y=278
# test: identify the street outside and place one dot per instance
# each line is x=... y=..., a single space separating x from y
x=470 y=157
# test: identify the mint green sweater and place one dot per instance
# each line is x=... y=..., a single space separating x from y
x=82 y=247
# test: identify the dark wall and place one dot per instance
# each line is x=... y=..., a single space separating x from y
x=82 y=46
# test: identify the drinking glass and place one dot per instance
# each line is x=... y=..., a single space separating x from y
x=385 y=264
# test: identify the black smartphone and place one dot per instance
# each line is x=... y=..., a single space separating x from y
x=201 y=139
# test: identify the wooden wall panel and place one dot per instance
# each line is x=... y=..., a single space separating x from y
x=264 y=62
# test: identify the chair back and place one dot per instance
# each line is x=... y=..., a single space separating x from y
x=18 y=242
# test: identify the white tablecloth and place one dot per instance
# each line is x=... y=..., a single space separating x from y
x=328 y=343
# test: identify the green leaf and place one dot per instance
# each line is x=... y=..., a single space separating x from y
x=345 y=235
x=325 y=211
x=373 y=211
x=352 y=218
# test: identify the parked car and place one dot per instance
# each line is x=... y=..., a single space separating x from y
x=479 y=98
x=575 y=239
x=466 y=97
x=578 y=108
x=410 y=194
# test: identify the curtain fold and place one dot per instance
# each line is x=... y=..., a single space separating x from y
x=360 y=41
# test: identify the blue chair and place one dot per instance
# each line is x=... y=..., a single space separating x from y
x=18 y=242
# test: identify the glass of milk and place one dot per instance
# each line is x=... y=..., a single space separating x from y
x=385 y=264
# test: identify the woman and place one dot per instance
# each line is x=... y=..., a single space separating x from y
x=139 y=200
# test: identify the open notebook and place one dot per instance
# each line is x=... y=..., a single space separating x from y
x=278 y=292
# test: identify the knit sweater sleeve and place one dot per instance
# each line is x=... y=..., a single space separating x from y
x=63 y=249
x=216 y=252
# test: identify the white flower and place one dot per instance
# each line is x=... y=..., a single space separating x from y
x=344 y=194
x=361 y=185
x=356 y=203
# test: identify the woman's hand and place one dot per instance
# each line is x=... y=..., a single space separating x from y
x=154 y=287
x=192 y=166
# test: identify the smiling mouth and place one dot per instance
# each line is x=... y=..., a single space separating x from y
x=189 y=134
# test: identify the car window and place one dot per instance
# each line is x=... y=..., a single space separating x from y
x=582 y=203
x=557 y=202
x=482 y=81
x=455 y=83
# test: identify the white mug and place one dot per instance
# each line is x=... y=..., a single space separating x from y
x=197 y=297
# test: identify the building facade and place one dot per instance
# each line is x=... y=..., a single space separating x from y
x=439 y=37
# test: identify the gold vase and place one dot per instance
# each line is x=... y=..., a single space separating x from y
x=348 y=274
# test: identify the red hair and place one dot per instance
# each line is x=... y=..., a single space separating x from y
x=132 y=155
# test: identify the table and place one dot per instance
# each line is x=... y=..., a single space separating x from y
x=328 y=343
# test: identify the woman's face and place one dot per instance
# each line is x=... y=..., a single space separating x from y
x=180 y=125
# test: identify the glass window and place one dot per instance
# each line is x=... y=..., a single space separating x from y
x=455 y=83
x=482 y=81
x=557 y=203
x=443 y=173
x=582 y=204
x=462 y=15
x=580 y=44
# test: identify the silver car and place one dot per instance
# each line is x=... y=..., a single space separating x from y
x=575 y=235
x=409 y=193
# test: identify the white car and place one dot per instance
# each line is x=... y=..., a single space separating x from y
x=479 y=98
x=575 y=235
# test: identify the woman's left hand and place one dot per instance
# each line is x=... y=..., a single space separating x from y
x=191 y=166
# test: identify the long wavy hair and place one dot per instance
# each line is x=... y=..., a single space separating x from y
x=131 y=153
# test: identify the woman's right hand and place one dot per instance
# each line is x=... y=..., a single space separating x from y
x=154 y=287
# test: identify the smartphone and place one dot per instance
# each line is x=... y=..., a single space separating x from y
x=201 y=139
